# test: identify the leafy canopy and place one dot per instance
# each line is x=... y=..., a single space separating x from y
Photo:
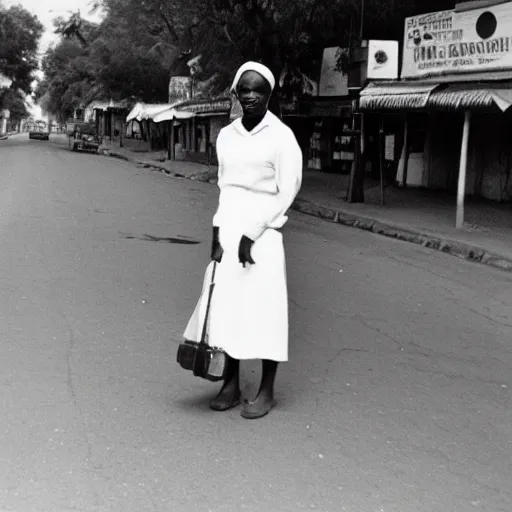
x=141 y=43
x=20 y=32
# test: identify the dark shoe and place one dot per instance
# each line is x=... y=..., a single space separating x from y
x=224 y=402
x=257 y=409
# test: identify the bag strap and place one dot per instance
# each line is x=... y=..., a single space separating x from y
x=210 y=293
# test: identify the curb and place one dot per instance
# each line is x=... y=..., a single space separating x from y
x=202 y=176
x=457 y=249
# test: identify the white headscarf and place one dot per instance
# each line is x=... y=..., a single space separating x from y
x=258 y=68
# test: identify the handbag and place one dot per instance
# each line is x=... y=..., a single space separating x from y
x=210 y=363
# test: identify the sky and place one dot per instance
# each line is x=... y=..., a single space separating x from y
x=47 y=11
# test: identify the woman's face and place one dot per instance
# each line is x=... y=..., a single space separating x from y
x=253 y=92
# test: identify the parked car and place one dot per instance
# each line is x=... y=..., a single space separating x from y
x=84 y=137
x=39 y=134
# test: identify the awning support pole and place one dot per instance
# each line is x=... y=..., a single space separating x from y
x=463 y=169
x=406 y=151
x=381 y=161
x=171 y=141
x=168 y=135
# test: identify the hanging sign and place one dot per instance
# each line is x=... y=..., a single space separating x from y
x=450 y=42
x=179 y=88
x=332 y=81
x=382 y=60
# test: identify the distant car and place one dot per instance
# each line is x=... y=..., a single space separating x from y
x=39 y=134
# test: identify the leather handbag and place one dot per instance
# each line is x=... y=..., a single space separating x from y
x=204 y=361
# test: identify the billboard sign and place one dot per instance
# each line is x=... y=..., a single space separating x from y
x=451 y=42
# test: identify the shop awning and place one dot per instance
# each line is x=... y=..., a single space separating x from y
x=172 y=113
x=143 y=111
x=215 y=106
x=479 y=96
x=106 y=105
x=103 y=105
x=400 y=96
x=396 y=96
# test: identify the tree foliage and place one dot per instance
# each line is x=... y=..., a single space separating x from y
x=14 y=101
x=68 y=75
x=20 y=32
x=288 y=36
x=124 y=57
x=141 y=43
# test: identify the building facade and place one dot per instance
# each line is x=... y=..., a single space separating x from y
x=451 y=106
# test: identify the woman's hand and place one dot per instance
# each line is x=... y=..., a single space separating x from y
x=244 y=251
x=217 y=250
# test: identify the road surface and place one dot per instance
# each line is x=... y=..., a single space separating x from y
x=397 y=397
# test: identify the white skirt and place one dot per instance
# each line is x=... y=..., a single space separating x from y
x=249 y=308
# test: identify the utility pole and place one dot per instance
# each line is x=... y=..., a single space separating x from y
x=361 y=27
x=356 y=183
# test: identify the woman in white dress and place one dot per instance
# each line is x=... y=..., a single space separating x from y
x=260 y=174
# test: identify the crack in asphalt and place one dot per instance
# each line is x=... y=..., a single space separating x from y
x=455 y=376
x=68 y=355
x=491 y=319
x=359 y=317
x=344 y=350
x=462 y=285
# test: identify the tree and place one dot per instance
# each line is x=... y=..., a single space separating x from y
x=289 y=37
x=124 y=57
x=141 y=43
x=20 y=33
x=131 y=58
x=67 y=76
x=71 y=28
x=14 y=101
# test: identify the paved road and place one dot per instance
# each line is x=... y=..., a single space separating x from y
x=396 y=399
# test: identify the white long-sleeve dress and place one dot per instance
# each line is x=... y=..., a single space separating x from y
x=260 y=174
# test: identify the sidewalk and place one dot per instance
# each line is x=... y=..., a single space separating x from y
x=6 y=135
x=422 y=217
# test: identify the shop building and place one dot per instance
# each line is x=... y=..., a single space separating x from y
x=450 y=109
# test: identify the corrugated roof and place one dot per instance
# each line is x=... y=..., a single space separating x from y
x=216 y=105
x=393 y=96
x=454 y=97
x=392 y=102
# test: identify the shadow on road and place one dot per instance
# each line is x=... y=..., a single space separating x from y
x=170 y=240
